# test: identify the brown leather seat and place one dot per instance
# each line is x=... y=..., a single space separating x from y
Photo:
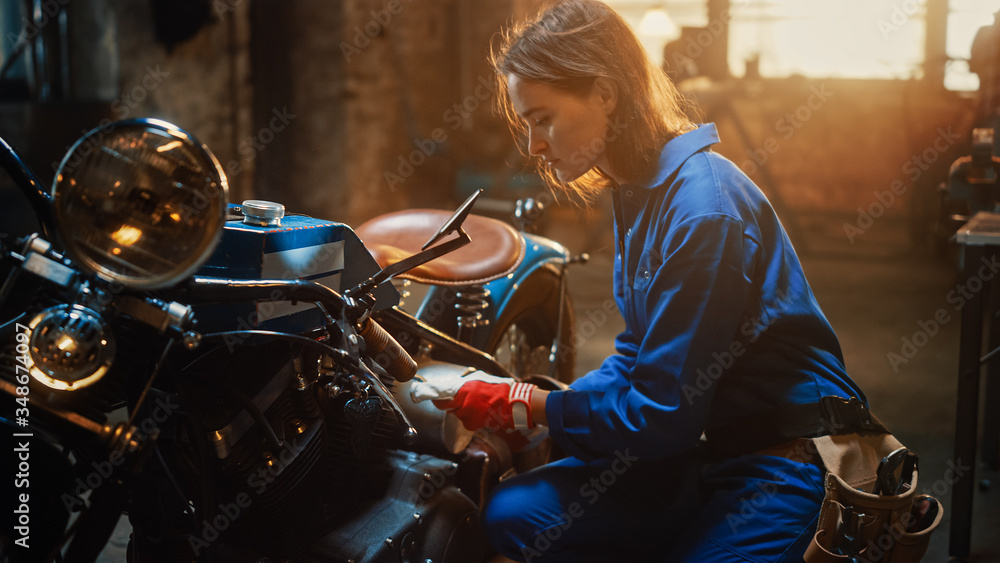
x=495 y=251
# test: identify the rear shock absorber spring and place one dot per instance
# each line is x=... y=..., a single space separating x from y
x=470 y=302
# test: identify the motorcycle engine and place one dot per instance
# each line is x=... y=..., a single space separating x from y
x=287 y=450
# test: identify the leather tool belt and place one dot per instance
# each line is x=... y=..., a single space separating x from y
x=871 y=510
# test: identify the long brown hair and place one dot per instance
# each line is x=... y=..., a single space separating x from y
x=568 y=46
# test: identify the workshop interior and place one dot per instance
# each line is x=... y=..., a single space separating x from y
x=316 y=129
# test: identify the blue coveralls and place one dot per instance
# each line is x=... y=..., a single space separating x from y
x=720 y=325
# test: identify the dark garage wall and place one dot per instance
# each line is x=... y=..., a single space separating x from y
x=345 y=109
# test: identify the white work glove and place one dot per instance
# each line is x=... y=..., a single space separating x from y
x=447 y=386
x=499 y=404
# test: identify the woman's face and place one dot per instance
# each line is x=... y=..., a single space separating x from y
x=567 y=131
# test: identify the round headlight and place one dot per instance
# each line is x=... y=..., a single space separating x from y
x=140 y=202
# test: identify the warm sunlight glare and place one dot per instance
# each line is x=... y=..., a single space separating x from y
x=829 y=38
x=878 y=39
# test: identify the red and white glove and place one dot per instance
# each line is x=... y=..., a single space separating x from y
x=493 y=406
x=480 y=400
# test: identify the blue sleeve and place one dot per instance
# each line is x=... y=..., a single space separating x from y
x=641 y=399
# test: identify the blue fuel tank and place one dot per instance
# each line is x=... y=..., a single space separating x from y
x=301 y=247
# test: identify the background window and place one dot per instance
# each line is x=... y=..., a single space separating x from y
x=965 y=17
x=866 y=39
x=828 y=38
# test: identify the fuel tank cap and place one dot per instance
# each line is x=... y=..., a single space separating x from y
x=262 y=213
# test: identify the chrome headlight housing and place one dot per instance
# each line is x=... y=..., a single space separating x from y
x=140 y=202
x=69 y=347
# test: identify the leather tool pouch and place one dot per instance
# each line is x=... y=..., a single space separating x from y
x=856 y=525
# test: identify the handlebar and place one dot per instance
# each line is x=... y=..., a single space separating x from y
x=223 y=289
x=381 y=346
x=401 y=365
x=29 y=184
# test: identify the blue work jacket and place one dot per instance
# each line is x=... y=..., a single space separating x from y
x=720 y=322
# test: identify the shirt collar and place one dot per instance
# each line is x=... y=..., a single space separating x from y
x=679 y=149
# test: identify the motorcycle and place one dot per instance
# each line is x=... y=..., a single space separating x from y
x=236 y=379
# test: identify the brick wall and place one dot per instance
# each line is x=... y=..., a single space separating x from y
x=345 y=110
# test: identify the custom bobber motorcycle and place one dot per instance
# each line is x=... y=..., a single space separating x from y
x=235 y=380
